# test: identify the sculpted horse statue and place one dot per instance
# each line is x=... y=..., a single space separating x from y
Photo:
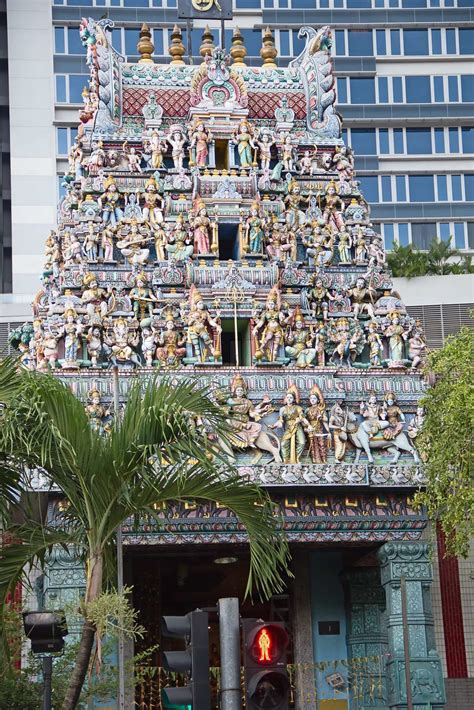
x=265 y=441
x=360 y=435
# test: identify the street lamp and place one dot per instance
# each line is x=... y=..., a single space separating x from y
x=46 y=631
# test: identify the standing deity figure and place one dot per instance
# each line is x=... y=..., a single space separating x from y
x=159 y=235
x=75 y=158
x=91 y=243
x=203 y=230
x=107 y=242
x=396 y=335
x=96 y=160
x=307 y=163
x=264 y=142
x=156 y=146
x=417 y=347
x=171 y=343
x=93 y=297
x=142 y=297
x=376 y=252
x=299 y=342
x=148 y=345
x=254 y=231
x=132 y=158
x=334 y=207
x=96 y=411
x=199 y=139
x=318 y=435
x=203 y=331
x=319 y=297
x=294 y=215
x=320 y=344
x=392 y=414
x=361 y=297
x=278 y=246
x=179 y=245
x=344 y=246
x=72 y=330
x=243 y=139
x=346 y=342
x=343 y=161
x=109 y=203
x=177 y=140
x=153 y=203
x=360 y=247
x=288 y=154
x=338 y=426
x=94 y=344
x=293 y=422
x=49 y=348
x=268 y=331
x=375 y=344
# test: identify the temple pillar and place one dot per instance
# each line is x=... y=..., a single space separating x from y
x=411 y=561
x=366 y=635
x=303 y=632
x=64 y=584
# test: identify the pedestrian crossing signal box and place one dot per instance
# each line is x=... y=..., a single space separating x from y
x=265 y=647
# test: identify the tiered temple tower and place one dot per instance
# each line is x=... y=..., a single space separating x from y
x=213 y=228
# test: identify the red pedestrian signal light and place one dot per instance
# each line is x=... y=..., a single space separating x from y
x=266 y=678
x=267 y=642
x=264 y=642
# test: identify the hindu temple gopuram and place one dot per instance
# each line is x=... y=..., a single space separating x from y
x=213 y=228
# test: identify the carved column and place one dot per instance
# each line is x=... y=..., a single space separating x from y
x=64 y=584
x=303 y=631
x=411 y=560
x=367 y=635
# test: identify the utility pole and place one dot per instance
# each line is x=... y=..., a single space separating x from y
x=229 y=636
x=47 y=678
x=121 y=642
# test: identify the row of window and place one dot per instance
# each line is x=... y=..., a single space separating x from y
x=417 y=188
x=405 y=89
x=280 y=4
x=404 y=42
x=421 y=234
x=410 y=141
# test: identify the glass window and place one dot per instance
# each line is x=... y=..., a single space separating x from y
x=438 y=89
x=342 y=90
x=131 y=41
x=117 y=39
x=444 y=232
x=422 y=234
x=398 y=141
x=383 y=89
x=158 y=42
x=62 y=146
x=436 y=41
x=395 y=41
x=386 y=188
x=381 y=43
x=403 y=238
x=77 y=82
x=362 y=91
x=439 y=140
x=467 y=140
x=453 y=88
x=451 y=41
x=383 y=141
x=418 y=141
x=397 y=89
x=414 y=3
x=442 y=184
x=459 y=240
x=60 y=88
x=363 y=141
x=298 y=44
x=421 y=188
x=470 y=235
x=388 y=236
x=253 y=41
x=135 y=3
x=255 y=4
x=360 y=43
x=418 y=89
x=415 y=42
x=401 y=188
x=454 y=140
x=467 y=87
x=456 y=187
x=340 y=42
x=369 y=187
x=59 y=43
x=74 y=44
x=466 y=40
x=469 y=187
x=285 y=43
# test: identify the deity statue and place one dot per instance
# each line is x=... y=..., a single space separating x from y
x=361 y=297
x=416 y=424
x=293 y=422
x=96 y=411
x=268 y=331
x=320 y=344
x=279 y=245
x=417 y=347
x=94 y=298
x=356 y=212
x=148 y=345
x=90 y=247
x=132 y=207
x=288 y=154
x=156 y=148
x=153 y=203
x=171 y=343
x=204 y=231
x=161 y=240
x=107 y=243
x=142 y=297
x=343 y=161
x=53 y=254
x=199 y=138
x=294 y=215
x=243 y=139
x=376 y=252
x=319 y=298
x=375 y=344
x=71 y=330
x=374 y=414
x=132 y=158
x=299 y=342
x=177 y=140
x=47 y=348
x=264 y=142
x=332 y=214
x=349 y=340
x=338 y=426
x=203 y=331
x=360 y=247
x=132 y=246
x=109 y=203
x=72 y=252
x=344 y=246
x=122 y=341
x=179 y=245
x=396 y=335
x=94 y=344
x=307 y=163
x=75 y=158
x=393 y=415
x=254 y=231
x=319 y=437
x=96 y=160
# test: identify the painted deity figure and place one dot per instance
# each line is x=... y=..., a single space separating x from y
x=320 y=344
x=153 y=203
x=264 y=142
x=294 y=215
x=299 y=342
x=307 y=163
x=268 y=331
x=133 y=245
x=243 y=139
x=203 y=331
x=202 y=230
x=417 y=348
x=200 y=139
x=142 y=297
x=159 y=235
x=72 y=331
x=107 y=243
x=287 y=154
x=393 y=415
x=90 y=247
x=244 y=415
x=177 y=140
x=157 y=147
x=375 y=345
x=254 y=230
x=374 y=414
x=416 y=424
x=132 y=207
x=148 y=345
x=179 y=245
x=344 y=246
x=345 y=349
x=96 y=160
x=337 y=425
x=109 y=203
x=171 y=344
x=94 y=344
x=75 y=158
x=360 y=247
x=278 y=243
x=319 y=298
x=96 y=411
x=396 y=335
x=343 y=161
x=318 y=436
x=292 y=420
x=332 y=214
x=122 y=341
x=361 y=297
x=93 y=297
x=132 y=158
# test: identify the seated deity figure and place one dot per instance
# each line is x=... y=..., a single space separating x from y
x=153 y=203
x=244 y=415
x=109 y=203
x=171 y=343
x=299 y=342
x=179 y=246
x=361 y=296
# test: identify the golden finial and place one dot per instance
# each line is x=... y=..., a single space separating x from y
x=238 y=51
x=207 y=43
x=268 y=51
x=145 y=46
x=176 y=49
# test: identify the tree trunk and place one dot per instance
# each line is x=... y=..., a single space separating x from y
x=86 y=644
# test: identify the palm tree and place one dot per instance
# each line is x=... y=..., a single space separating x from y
x=439 y=258
x=151 y=456
x=407 y=262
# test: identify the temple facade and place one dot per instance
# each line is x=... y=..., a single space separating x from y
x=213 y=229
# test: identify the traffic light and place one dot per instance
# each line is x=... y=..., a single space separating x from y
x=266 y=678
x=194 y=660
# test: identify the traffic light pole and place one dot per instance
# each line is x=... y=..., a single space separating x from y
x=47 y=680
x=229 y=636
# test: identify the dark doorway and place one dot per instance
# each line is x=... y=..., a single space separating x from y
x=228 y=242
x=228 y=342
x=222 y=155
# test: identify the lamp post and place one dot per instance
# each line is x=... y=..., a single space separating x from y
x=46 y=631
